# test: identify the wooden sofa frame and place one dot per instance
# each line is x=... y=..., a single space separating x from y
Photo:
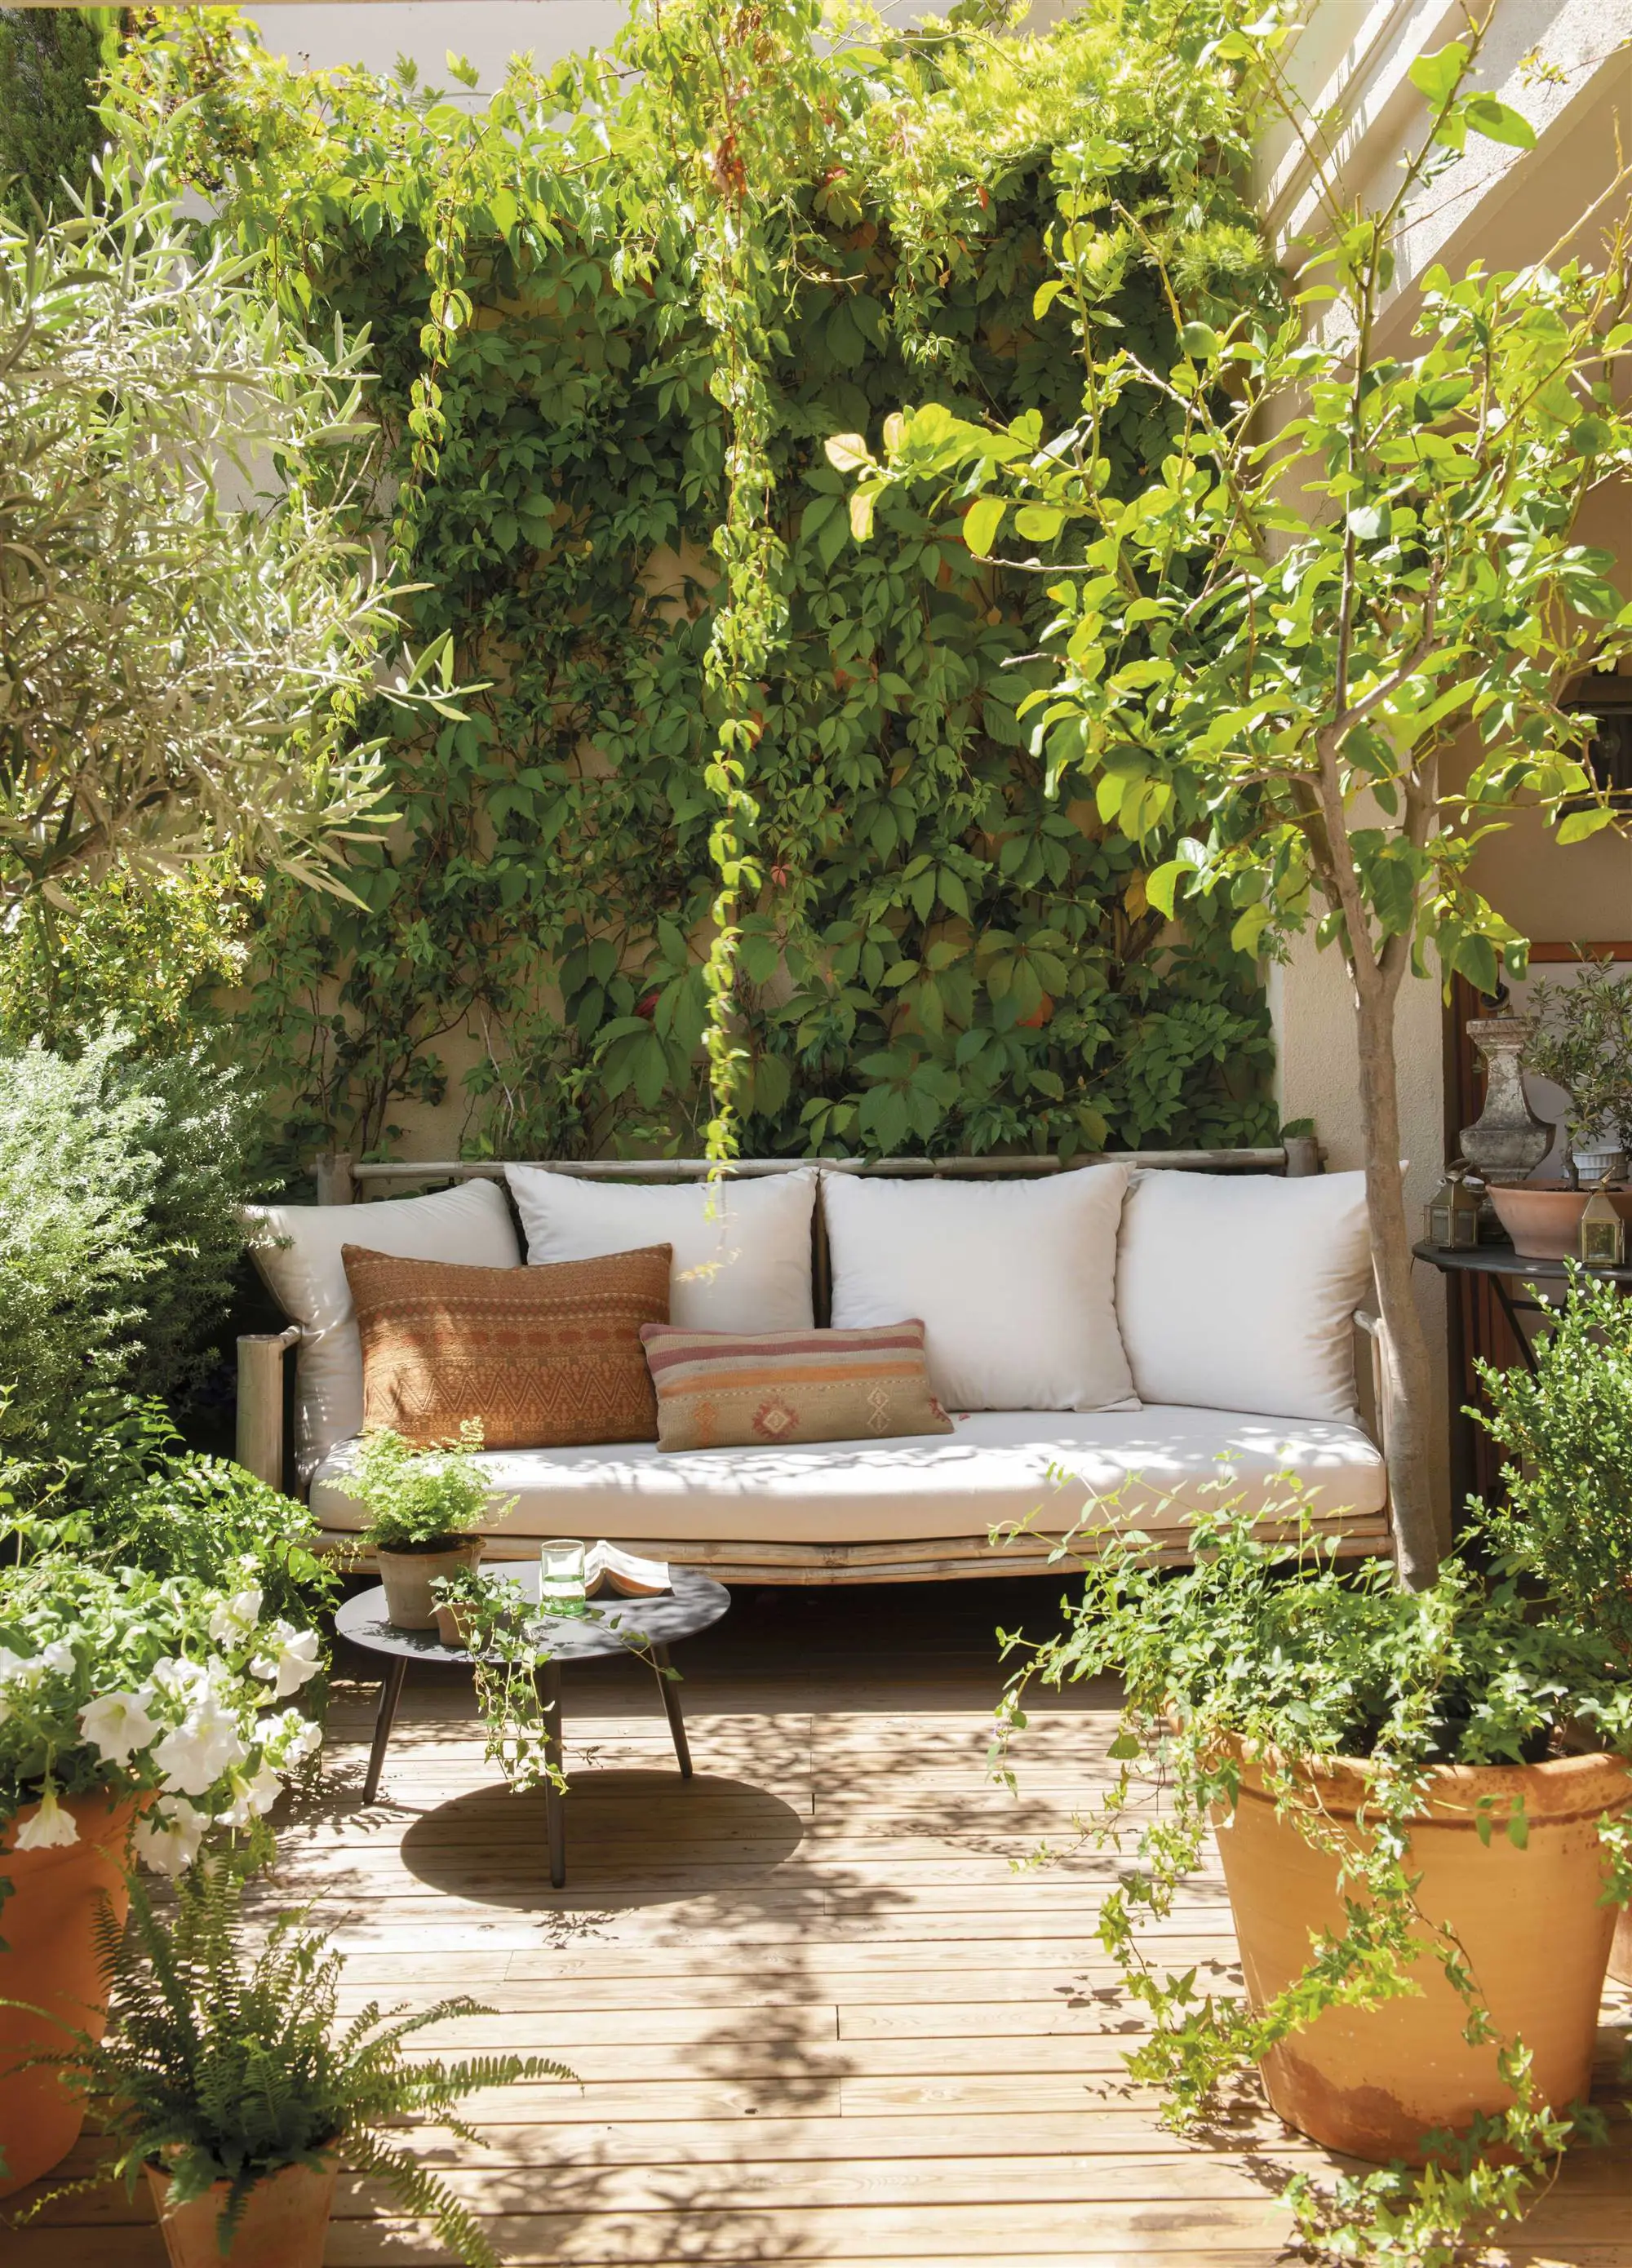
x=263 y=1359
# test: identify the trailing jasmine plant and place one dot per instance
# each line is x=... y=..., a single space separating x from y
x=121 y=1683
x=1270 y=1654
x=226 y=2064
x=492 y=1620
x=499 y=1627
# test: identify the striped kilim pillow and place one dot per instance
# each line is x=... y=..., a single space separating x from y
x=721 y=1390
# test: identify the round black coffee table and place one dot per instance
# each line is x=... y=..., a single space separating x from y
x=608 y=1624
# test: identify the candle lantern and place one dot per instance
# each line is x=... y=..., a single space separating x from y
x=1451 y=1217
x=1603 y=1233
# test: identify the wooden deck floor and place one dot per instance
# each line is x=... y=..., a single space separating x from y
x=816 y=2016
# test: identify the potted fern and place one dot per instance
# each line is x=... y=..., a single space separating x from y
x=422 y=1503
x=226 y=2085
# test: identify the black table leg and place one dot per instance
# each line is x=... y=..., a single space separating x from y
x=555 y=1802
x=670 y=1687
x=385 y=1716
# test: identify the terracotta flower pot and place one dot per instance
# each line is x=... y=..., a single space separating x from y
x=453 y=1625
x=1375 y=2082
x=408 y=1576
x=1544 y=1223
x=284 y=2223
x=48 y=1926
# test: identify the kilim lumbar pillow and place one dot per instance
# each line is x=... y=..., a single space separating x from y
x=722 y=1390
x=547 y=1357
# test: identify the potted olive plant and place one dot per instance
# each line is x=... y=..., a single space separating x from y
x=228 y=2086
x=135 y=1712
x=1421 y=1800
x=422 y=1503
x=1581 y=1040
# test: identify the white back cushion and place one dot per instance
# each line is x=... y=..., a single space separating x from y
x=296 y=1249
x=749 y=1270
x=1013 y=1282
x=1235 y=1292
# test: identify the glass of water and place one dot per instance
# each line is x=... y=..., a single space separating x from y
x=561 y=1576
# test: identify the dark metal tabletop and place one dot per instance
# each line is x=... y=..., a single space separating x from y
x=1502 y=1260
x=608 y=1623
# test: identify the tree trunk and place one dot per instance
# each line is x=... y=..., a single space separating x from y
x=1421 y=1533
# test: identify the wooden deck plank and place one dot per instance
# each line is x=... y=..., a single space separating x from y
x=817 y=2014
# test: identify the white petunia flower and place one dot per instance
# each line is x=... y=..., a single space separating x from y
x=59 y=1657
x=289 y=1739
x=196 y=1755
x=20 y=1669
x=292 y=1656
x=168 y=1840
x=115 y=1724
x=235 y=1617
x=254 y=1797
x=173 y=1681
x=51 y=1827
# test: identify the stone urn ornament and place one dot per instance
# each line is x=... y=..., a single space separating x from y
x=1506 y=1141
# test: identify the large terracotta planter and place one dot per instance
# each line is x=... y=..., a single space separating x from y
x=284 y=2223
x=1374 y=2083
x=408 y=1576
x=49 y=1925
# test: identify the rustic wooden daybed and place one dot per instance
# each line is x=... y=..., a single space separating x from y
x=1360 y=1529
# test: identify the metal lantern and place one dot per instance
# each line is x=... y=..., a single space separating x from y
x=1451 y=1217
x=1603 y=1233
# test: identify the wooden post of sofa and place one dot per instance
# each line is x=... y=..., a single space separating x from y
x=1303 y=1155
x=261 y=1402
x=332 y=1172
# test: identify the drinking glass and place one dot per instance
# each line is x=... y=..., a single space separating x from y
x=561 y=1576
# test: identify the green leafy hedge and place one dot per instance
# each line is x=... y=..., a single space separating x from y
x=943 y=959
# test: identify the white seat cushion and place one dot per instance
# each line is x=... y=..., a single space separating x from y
x=747 y=1269
x=296 y=1249
x=995 y=1466
x=1014 y=1282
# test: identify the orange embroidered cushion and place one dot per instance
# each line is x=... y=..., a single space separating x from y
x=547 y=1357
x=722 y=1390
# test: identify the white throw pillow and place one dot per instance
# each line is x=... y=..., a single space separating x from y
x=296 y=1249
x=1013 y=1282
x=747 y=1270
x=1235 y=1292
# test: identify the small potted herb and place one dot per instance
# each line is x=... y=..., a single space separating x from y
x=422 y=1503
x=228 y=2083
x=1421 y=1800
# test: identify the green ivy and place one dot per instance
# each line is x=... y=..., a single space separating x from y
x=932 y=953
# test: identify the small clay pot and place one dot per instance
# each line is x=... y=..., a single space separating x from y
x=408 y=1576
x=285 y=2223
x=456 y=1625
x=1375 y=2082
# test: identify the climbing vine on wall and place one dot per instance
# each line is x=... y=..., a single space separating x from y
x=615 y=317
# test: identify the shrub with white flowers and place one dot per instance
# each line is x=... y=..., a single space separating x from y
x=127 y=1683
